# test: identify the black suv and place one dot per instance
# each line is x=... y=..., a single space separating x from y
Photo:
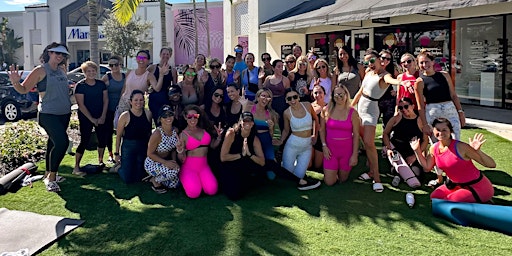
x=13 y=104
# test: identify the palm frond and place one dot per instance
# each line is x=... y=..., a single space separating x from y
x=184 y=28
x=124 y=9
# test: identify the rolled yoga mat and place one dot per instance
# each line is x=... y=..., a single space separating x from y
x=16 y=176
x=486 y=216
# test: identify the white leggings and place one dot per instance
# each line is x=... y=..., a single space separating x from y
x=297 y=149
x=446 y=110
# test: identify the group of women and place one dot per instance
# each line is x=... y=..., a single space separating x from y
x=219 y=125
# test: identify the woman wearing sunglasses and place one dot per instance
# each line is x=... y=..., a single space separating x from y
x=277 y=84
x=404 y=126
x=323 y=77
x=160 y=163
x=289 y=62
x=300 y=78
x=159 y=96
x=348 y=71
x=195 y=140
x=192 y=90
x=141 y=79
x=312 y=57
x=214 y=80
x=267 y=66
x=408 y=78
x=114 y=79
x=318 y=105
x=339 y=133
x=300 y=119
x=133 y=130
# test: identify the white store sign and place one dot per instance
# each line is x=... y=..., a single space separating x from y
x=81 y=34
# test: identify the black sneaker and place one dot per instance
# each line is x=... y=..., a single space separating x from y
x=310 y=184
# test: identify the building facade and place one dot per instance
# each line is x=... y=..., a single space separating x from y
x=471 y=39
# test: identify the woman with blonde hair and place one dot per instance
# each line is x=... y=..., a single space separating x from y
x=323 y=77
x=300 y=77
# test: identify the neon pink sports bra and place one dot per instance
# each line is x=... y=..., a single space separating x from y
x=339 y=129
x=193 y=143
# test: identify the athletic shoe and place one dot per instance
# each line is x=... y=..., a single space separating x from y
x=310 y=184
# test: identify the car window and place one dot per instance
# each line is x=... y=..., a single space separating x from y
x=4 y=79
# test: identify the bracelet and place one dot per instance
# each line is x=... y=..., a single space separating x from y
x=460 y=111
x=324 y=144
x=179 y=152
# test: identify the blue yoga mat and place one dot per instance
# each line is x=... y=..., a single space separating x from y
x=492 y=217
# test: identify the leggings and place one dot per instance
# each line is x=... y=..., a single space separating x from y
x=163 y=174
x=446 y=110
x=196 y=176
x=297 y=149
x=341 y=152
x=58 y=141
x=266 y=145
x=109 y=129
x=483 y=188
x=86 y=127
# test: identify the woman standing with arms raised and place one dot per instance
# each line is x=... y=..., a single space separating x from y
x=54 y=105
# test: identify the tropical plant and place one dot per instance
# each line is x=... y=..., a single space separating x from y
x=184 y=29
x=93 y=30
x=8 y=42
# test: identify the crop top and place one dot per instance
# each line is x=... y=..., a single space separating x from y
x=193 y=143
x=339 y=129
x=261 y=125
x=301 y=124
x=168 y=142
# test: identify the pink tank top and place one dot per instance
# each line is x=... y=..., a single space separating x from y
x=135 y=82
x=339 y=129
x=456 y=168
x=406 y=92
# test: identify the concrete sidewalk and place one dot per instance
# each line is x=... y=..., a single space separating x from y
x=497 y=121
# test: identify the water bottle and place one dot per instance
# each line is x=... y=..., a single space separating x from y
x=396 y=181
x=409 y=199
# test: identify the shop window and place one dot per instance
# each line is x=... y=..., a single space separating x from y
x=80 y=16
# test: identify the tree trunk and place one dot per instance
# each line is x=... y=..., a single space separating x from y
x=93 y=31
x=195 y=30
x=162 y=24
x=207 y=28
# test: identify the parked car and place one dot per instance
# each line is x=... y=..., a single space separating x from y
x=14 y=104
x=76 y=74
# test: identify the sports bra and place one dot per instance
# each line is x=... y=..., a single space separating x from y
x=168 y=142
x=261 y=125
x=301 y=124
x=193 y=143
x=339 y=129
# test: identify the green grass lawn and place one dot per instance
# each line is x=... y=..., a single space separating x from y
x=278 y=219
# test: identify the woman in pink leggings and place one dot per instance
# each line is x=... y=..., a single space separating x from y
x=467 y=183
x=195 y=175
x=340 y=138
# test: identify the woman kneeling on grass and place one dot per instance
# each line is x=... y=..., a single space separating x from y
x=161 y=162
x=467 y=183
x=134 y=130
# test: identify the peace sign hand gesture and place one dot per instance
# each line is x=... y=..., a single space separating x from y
x=219 y=129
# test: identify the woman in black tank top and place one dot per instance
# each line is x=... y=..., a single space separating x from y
x=134 y=130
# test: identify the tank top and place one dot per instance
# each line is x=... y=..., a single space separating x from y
x=407 y=129
x=326 y=83
x=371 y=85
x=276 y=89
x=406 y=91
x=114 y=91
x=299 y=83
x=301 y=124
x=162 y=95
x=215 y=120
x=231 y=118
x=436 y=88
x=351 y=80
x=139 y=128
x=261 y=125
x=135 y=82
x=55 y=86
x=456 y=168
x=168 y=142
x=238 y=143
x=339 y=129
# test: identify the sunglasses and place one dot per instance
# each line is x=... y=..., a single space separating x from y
x=340 y=95
x=193 y=116
x=142 y=58
x=316 y=93
x=289 y=62
x=214 y=66
x=406 y=61
x=321 y=67
x=167 y=114
x=385 y=58
x=370 y=61
x=113 y=65
x=404 y=107
x=60 y=53
x=264 y=97
x=190 y=73
x=312 y=58
x=218 y=95
x=294 y=97
x=302 y=64
x=266 y=58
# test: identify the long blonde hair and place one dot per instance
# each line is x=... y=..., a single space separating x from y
x=332 y=102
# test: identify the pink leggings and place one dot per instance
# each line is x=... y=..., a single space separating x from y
x=196 y=176
x=483 y=188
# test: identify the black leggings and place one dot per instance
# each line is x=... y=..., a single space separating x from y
x=109 y=129
x=58 y=141
x=86 y=131
x=239 y=176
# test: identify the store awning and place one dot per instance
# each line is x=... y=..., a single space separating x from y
x=344 y=11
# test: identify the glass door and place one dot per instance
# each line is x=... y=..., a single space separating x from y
x=362 y=40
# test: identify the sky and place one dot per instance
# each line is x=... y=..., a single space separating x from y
x=19 y=5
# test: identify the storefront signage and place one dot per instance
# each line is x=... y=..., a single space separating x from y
x=286 y=50
x=381 y=20
x=81 y=33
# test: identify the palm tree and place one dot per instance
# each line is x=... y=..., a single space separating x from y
x=207 y=29
x=195 y=28
x=163 y=28
x=93 y=30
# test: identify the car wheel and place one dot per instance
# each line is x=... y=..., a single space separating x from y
x=11 y=111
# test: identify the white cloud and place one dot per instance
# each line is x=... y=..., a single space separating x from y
x=23 y=2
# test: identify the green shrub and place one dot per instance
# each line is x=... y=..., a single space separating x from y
x=21 y=142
